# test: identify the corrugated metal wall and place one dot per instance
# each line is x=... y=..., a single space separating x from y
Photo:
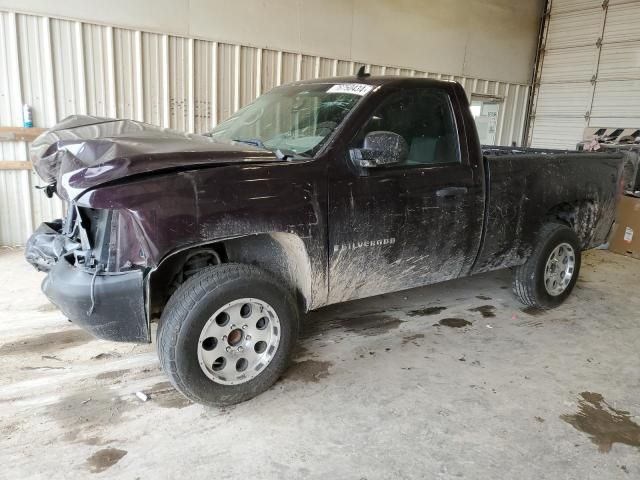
x=61 y=67
x=590 y=71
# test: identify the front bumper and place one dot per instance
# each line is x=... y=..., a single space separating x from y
x=119 y=313
x=119 y=310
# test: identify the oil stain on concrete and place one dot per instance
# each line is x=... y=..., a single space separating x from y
x=454 y=322
x=423 y=312
x=367 y=323
x=111 y=375
x=41 y=368
x=104 y=459
x=412 y=338
x=106 y=356
x=487 y=311
x=308 y=371
x=533 y=311
x=371 y=325
x=164 y=395
x=301 y=351
x=47 y=342
x=604 y=424
x=83 y=415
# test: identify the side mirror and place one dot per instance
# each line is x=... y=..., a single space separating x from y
x=380 y=148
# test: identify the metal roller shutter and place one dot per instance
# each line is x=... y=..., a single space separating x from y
x=589 y=71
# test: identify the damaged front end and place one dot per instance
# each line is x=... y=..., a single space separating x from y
x=94 y=260
x=47 y=244
x=87 y=277
x=98 y=257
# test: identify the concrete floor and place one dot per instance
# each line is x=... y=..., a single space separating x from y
x=379 y=390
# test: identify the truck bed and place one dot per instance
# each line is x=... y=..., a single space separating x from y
x=630 y=153
x=528 y=187
x=497 y=151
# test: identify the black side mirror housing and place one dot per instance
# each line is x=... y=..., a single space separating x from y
x=380 y=148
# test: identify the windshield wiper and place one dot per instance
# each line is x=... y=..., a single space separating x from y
x=256 y=142
x=288 y=155
x=281 y=153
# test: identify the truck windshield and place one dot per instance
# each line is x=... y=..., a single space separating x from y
x=294 y=119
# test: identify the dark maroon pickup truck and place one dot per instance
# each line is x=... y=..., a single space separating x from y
x=316 y=193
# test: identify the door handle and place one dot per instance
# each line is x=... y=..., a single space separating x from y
x=451 y=192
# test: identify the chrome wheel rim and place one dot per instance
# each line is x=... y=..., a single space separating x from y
x=559 y=269
x=239 y=341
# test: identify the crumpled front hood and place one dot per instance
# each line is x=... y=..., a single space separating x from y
x=82 y=152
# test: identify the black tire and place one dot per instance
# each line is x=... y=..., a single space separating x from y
x=191 y=306
x=528 y=279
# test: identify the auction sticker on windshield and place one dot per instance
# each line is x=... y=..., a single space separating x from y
x=354 y=88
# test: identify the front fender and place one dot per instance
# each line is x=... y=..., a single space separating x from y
x=182 y=210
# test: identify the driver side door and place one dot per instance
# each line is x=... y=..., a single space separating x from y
x=410 y=223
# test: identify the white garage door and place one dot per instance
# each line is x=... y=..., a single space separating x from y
x=590 y=71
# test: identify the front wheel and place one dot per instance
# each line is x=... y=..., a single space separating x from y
x=227 y=334
x=551 y=272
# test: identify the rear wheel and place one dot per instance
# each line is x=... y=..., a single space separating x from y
x=227 y=334
x=551 y=272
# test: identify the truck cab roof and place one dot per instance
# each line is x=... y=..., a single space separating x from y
x=382 y=80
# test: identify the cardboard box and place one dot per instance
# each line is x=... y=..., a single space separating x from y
x=625 y=238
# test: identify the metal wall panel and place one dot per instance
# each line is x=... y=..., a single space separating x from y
x=290 y=72
x=68 y=68
x=203 y=96
x=15 y=202
x=227 y=93
x=307 y=67
x=325 y=68
x=180 y=83
x=155 y=78
x=348 y=68
x=36 y=69
x=10 y=78
x=14 y=218
x=270 y=69
x=96 y=41
x=248 y=75
x=62 y=67
x=128 y=79
x=511 y=123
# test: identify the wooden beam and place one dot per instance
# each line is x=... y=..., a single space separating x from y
x=19 y=134
x=15 y=165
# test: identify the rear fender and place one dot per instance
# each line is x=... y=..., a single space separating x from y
x=584 y=217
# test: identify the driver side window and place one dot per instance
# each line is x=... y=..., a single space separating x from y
x=424 y=118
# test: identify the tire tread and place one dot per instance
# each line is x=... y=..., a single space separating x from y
x=202 y=283
x=524 y=276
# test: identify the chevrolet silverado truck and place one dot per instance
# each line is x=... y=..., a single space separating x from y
x=318 y=192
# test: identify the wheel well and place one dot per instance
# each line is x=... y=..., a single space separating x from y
x=581 y=216
x=282 y=254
